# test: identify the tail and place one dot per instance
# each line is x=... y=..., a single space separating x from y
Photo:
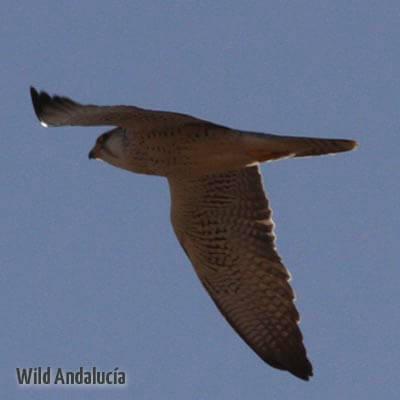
x=267 y=147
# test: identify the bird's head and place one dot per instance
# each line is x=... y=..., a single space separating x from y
x=109 y=147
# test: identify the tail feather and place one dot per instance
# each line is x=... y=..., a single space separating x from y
x=263 y=147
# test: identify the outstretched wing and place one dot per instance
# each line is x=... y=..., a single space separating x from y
x=60 y=111
x=224 y=223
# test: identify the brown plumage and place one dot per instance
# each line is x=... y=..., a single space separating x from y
x=219 y=210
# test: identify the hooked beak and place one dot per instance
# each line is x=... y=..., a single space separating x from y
x=93 y=153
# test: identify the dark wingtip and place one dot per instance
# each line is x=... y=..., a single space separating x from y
x=304 y=373
x=304 y=376
x=353 y=145
x=296 y=364
x=38 y=100
x=35 y=101
x=347 y=144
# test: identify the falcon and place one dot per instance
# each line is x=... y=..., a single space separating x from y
x=219 y=210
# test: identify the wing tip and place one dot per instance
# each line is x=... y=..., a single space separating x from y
x=47 y=107
x=35 y=101
x=350 y=145
x=39 y=100
x=292 y=357
x=304 y=372
x=297 y=365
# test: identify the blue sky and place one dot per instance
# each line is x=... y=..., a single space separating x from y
x=91 y=273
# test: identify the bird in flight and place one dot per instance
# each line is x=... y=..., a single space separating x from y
x=219 y=210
